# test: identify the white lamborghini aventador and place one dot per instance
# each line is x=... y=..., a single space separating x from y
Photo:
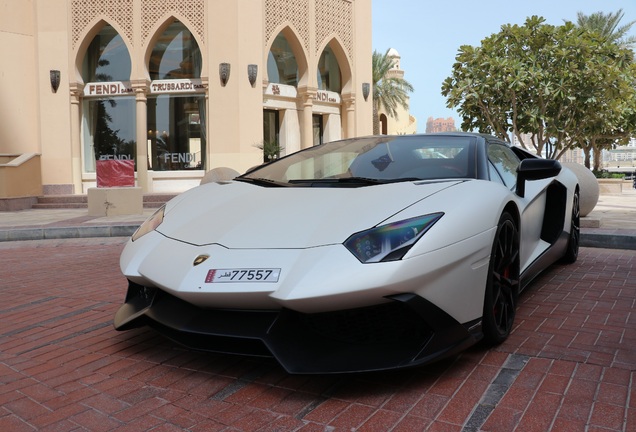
x=363 y=254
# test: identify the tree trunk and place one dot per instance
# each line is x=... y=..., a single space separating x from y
x=376 y=120
x=597 y=158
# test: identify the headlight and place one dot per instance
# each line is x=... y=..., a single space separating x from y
x=150 y=224
x=389 y=242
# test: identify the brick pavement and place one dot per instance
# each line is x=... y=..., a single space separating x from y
x=566 y=367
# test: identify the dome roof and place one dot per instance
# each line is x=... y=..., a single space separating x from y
x=393 y=53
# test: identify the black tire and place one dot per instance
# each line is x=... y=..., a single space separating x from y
x=502 y=286
x=572 y=252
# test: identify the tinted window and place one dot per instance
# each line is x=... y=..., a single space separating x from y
x=378 y=158
x=505 y=162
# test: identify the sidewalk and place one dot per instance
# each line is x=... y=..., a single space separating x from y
x=612 y=223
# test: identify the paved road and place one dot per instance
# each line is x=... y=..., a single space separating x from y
x=568 y=365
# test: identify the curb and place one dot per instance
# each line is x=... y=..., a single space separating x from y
x=608 y=241
x=57 y=233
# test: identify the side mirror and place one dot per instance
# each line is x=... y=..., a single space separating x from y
x=535 y=169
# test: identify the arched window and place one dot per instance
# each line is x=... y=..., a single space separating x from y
x=107 y=58
x=282 y=67
x=329 y=77
x=108 y=121
x=176 y=109
x=383 y=124
x=175 y=55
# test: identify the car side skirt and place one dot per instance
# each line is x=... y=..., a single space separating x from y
x=404 y=331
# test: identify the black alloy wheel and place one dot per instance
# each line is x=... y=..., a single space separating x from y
x=502 y=286
x=572 y=252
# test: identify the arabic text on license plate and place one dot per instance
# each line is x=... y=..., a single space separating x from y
x=242 y=275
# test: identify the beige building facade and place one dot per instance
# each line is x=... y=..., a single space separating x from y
x=178 y=87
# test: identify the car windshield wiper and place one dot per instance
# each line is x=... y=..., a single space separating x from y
x=353 y=181
x=260 y=181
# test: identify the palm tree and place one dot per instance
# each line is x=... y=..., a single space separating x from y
x=607 y=25
x=389 y=92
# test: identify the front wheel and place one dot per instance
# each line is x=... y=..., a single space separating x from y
x=502 y=285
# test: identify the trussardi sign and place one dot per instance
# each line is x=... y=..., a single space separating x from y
x=100 y=89
x=124 y=88
x=177 y=86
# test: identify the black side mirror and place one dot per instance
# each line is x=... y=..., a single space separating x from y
x=535 y=169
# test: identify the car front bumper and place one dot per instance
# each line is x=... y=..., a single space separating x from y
x=406 y=330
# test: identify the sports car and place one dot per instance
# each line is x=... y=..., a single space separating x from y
x=363 y=254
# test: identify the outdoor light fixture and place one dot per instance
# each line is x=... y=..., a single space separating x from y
x=366 y=88
x=252 y=72
x=55 y=79
x=224 y=73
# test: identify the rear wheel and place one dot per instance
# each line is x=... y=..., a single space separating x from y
x=502 y=285
x=572 y=252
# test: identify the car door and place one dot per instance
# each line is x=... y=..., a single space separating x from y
x=503 y=163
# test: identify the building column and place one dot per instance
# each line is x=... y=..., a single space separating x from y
x=76 y=139
x=141 y=121
x=349 y=105
x=307 y=95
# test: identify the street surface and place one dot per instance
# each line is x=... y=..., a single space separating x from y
x=568 y=366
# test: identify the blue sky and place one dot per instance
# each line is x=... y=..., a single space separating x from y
x=427 y=34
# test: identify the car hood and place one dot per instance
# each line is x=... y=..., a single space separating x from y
x=242 y=215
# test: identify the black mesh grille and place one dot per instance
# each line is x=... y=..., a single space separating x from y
x=387 y=323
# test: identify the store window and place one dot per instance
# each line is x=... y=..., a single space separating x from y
x=108 y=121
x=329 y=77
x=271 y=131
x=282 y=67
x=318 y=129
x=175 y=137
x=176 y=106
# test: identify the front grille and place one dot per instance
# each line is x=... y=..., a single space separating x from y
x=386 y=323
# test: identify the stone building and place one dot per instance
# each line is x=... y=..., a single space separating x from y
x=177 y=86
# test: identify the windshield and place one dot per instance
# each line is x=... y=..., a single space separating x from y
x=375 y=160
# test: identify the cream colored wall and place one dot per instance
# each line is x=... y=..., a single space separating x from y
x=362 y=68
x=235 y=111
x=18 y=78
x=52 y=53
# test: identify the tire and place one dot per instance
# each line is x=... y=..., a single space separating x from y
x=572 y=252
x=502 y=285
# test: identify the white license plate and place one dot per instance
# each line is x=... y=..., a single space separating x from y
x=242 y=275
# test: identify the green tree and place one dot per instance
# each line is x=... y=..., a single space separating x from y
x=555 y=83
x=389 y=92
x=608 y=28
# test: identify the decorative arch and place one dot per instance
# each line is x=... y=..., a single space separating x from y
x=86 y=38
x=298 y=50
x=343 y=62
x=384 y=122
x=158 y=30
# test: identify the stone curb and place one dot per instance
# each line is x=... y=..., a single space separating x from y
x=56 y=233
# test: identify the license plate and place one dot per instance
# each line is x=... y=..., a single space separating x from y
x=242 y=275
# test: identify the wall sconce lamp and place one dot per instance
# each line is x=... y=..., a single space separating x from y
x=366 y=88
x=55 y=79
x=224 y=73
x=252 y=73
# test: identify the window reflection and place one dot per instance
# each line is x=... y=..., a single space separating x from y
x=282 y=67
x=175 y=134
x=176 y=54
x=329 y=77
x=107 y=58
